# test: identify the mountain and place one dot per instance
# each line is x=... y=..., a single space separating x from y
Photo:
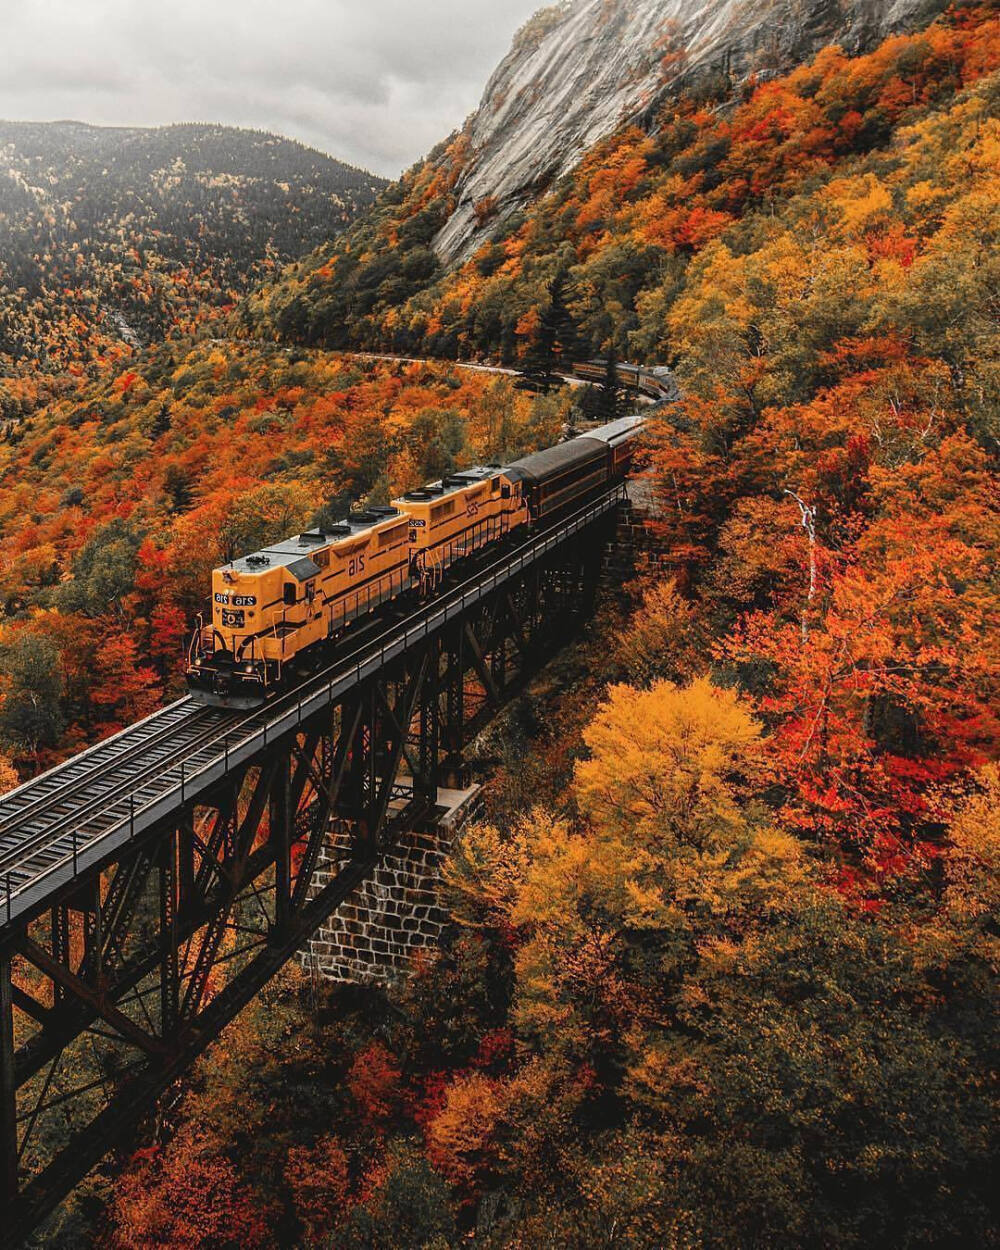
x=706 y=159
x=111 y=236
x=580 y=69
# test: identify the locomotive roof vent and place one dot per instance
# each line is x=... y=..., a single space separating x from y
x=339 y=531
x=312 y=538
x=258 y=562
x=384 y=511
x=362 y=518
x=416 y=495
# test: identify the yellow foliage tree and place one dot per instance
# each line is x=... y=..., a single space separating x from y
x=671 y=764
x=972 y=868
x=673 y=859
x=664 y=638
x=460 y=1137
x=483 y=876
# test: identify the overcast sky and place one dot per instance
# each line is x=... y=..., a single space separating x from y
x=373 y=82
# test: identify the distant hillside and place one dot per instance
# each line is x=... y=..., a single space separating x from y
x=109 y=237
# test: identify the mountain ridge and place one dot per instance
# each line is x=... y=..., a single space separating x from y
x=96 y=131
x=577 y=71
x=112 y=236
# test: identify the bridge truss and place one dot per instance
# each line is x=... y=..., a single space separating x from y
x=135 y=925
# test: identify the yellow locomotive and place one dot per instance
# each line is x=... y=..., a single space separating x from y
x=277 y=612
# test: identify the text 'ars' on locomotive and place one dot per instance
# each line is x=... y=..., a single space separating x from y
x=277 y=614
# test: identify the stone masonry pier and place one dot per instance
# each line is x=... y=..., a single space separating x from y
x=397 y=914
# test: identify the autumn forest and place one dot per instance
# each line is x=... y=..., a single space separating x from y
x=721 y=963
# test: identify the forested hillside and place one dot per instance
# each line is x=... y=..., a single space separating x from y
x=722 y=967
x=111 y=237
x=848 y=158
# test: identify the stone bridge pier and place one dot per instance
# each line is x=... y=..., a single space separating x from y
x=398 y=912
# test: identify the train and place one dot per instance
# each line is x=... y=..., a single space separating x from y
x=277 y=614
x=657 y=384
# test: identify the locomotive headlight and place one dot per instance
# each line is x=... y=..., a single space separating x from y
x=248 y=668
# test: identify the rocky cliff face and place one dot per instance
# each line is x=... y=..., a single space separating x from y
x=582 y=68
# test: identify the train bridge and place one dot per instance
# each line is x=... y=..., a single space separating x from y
x=151 y=885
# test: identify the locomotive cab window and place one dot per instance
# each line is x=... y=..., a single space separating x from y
x=442 y=510
x=290 y=594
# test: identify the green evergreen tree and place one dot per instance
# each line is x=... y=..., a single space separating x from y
x=558 y=342
x=31 y=683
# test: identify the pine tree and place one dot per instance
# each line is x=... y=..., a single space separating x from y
x=557 y=340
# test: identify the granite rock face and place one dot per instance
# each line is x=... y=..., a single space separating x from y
x=579 y=70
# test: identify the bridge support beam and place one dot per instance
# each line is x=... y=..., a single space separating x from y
x=122 y=980
x=280 y=829
x=170 y=973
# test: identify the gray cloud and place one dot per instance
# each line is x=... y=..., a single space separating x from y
x=374 y=82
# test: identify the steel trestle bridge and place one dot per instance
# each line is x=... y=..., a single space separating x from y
x=151 y=885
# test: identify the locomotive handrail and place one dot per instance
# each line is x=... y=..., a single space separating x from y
x=313 y=695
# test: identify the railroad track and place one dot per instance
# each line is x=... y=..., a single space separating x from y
x=62 y=811
x=53 y=818
x=46 y=796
